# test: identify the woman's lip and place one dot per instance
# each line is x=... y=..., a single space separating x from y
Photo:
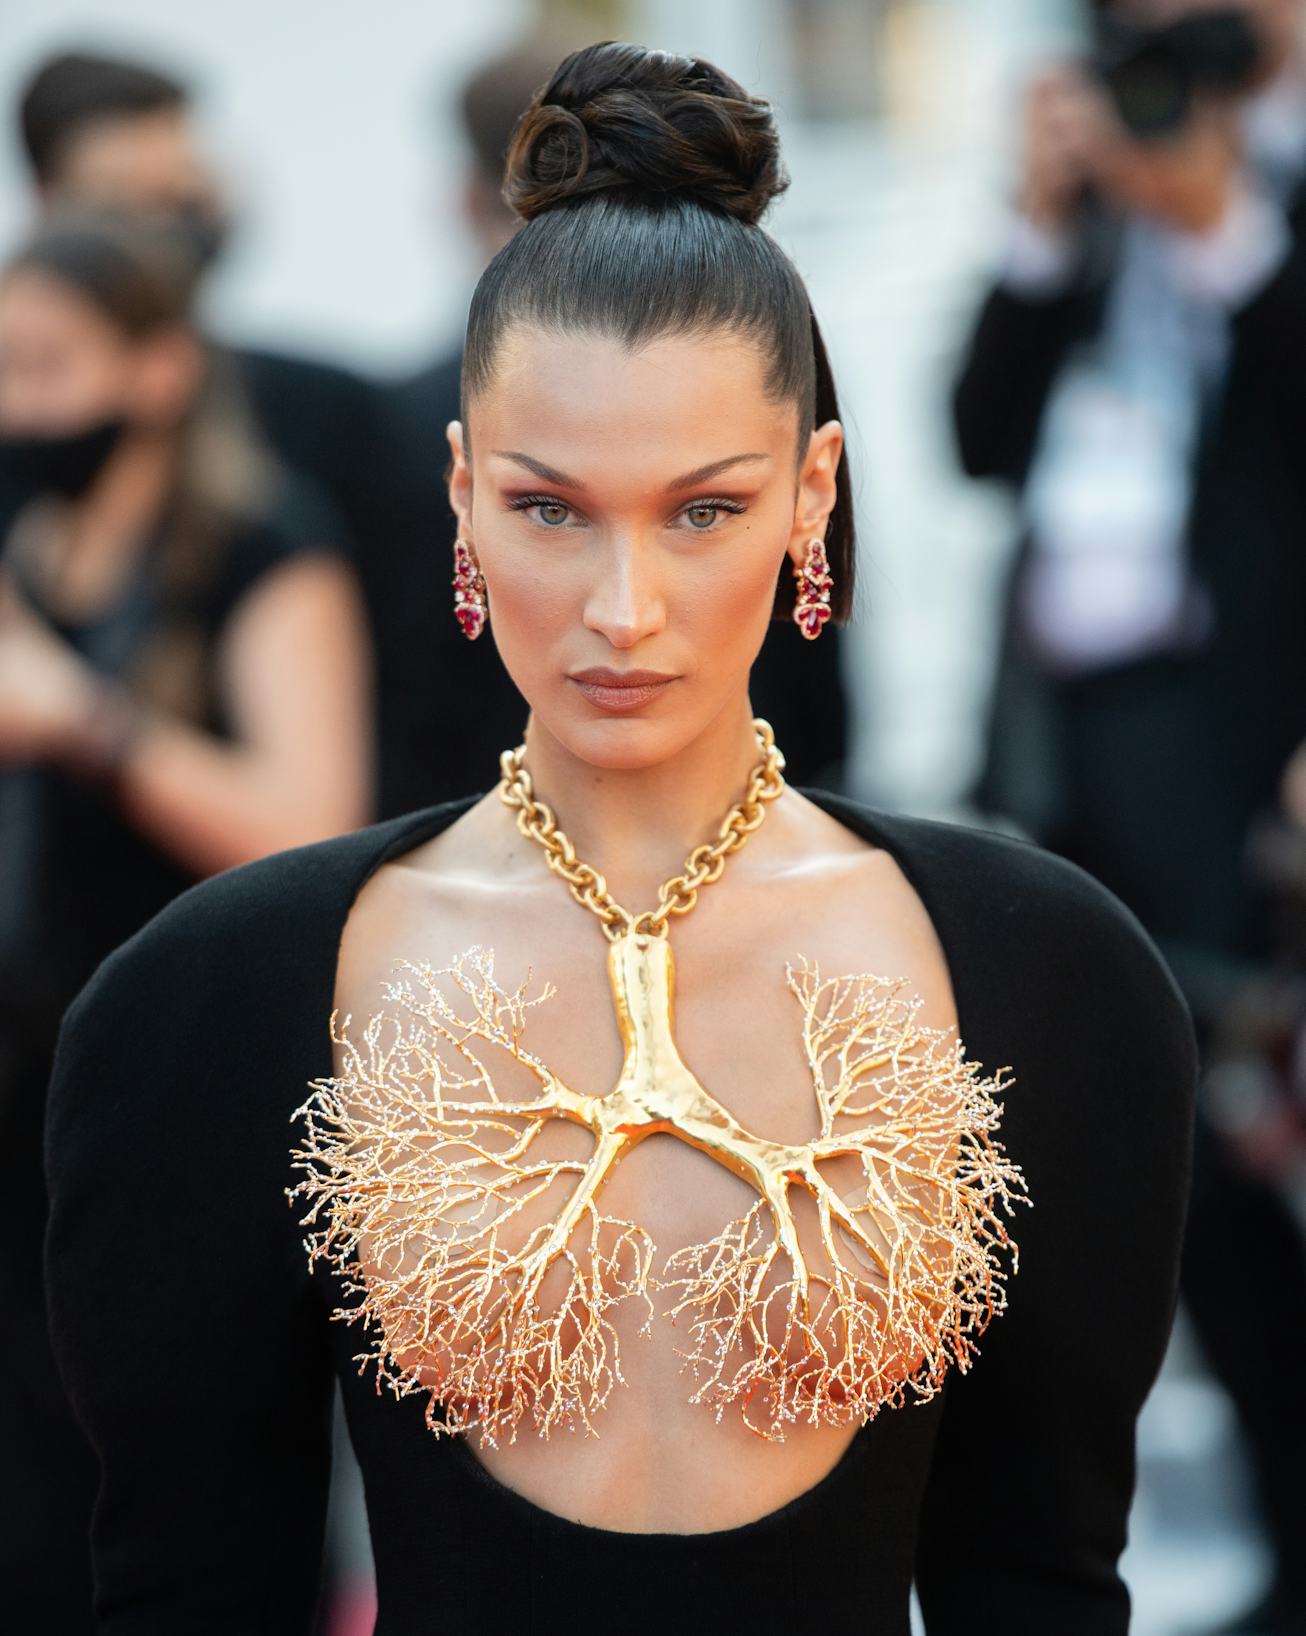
x=605 y=676
x=625 y=697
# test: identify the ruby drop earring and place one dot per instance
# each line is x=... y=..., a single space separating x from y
x=468 y=591
x=812 y=602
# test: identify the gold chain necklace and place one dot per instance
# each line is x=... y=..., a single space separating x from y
x=906 y=1275
x=676 y=896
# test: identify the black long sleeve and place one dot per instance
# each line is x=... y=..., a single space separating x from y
x=1033 y=1476
x=196 y=1367
x=1012 y=358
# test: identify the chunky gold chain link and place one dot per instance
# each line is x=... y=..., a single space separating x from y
x=676 y=896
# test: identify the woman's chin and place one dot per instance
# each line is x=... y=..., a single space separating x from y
x=624 y=742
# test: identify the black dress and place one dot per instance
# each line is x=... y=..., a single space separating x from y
x=76 y=876
x=198 y=1354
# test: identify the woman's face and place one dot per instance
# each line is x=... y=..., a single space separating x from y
x=65 y=367
x=632 y=510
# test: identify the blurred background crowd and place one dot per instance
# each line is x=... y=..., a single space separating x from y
x=1059 y=253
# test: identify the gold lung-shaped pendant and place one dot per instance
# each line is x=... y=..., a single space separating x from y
x=417 y=1168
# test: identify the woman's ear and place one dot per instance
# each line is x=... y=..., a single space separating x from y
x=460 y=479
x=817 y=488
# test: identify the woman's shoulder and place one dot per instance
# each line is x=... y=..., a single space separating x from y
x=1021 y=920
x=995 y=863
x=199 y=1032
x=270 y=926
x=965 y=866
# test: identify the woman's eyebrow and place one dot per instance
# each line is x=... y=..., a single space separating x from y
x=549 y=474
x=714 y=468
x=691 y=479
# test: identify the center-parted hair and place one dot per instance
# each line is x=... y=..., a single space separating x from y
x=641 y=179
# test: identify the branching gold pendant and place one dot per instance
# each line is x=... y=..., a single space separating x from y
x=422 y=1178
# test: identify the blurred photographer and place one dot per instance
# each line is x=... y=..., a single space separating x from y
x=1138 y=374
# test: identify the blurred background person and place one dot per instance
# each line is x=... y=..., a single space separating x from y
x=184 y=685
x=101 y=129
x=1139 y=374
x=800 y=692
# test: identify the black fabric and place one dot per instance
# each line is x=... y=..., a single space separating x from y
x=450 y=696
x=198 y=1355
x=1243 y=1256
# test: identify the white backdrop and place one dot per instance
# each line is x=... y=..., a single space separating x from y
x=331 y=119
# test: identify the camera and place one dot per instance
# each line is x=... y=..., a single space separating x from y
x=1152 y=75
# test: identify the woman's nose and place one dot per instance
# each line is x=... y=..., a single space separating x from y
x=626 y=602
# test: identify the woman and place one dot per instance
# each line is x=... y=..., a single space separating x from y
x=649 y=454
x=183 y=687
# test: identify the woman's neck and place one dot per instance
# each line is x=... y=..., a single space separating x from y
x=636 y=826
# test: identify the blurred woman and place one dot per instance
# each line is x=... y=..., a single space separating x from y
x=184 y=685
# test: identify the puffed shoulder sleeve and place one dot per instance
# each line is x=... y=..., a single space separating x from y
x=1027 y=1506
x=190 y=1350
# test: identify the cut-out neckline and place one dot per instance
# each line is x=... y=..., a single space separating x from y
x=543 y=1517
x=420 y=826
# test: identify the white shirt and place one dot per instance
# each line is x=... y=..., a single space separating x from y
x=1109 y=488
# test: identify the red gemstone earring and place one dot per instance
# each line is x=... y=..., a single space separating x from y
x=812 y=602
x=468 y=591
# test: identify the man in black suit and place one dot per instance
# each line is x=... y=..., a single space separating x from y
x=464 y=699
x=1138 y=374
x=1153 y=677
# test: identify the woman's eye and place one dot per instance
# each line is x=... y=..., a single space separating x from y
x=705 y=515
x=541 y=508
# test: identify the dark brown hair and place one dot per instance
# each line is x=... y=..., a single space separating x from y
x=77 y=89
x=641 y=178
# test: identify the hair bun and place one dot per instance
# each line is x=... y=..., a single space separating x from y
x=623 y=118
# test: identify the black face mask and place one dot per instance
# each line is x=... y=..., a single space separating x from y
x=66 y=466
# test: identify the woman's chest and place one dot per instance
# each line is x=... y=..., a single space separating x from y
x=578 y=1188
